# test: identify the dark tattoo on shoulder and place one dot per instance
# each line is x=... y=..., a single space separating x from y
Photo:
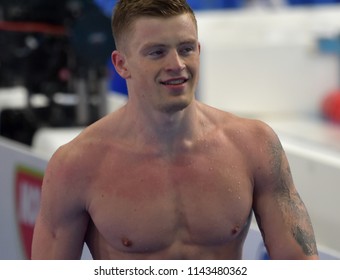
x=280 y=171
x=276 y=150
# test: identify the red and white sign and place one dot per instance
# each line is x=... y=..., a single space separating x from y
x=27 y=193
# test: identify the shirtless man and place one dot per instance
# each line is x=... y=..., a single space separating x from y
x=165 y=176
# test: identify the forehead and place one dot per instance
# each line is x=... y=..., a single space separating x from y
x=148 y=29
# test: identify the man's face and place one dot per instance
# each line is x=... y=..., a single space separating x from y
x=162 y=61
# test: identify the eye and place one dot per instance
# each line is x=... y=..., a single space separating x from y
x=156 y=53
x=186 y=50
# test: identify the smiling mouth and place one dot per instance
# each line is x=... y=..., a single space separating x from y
x=174 y=82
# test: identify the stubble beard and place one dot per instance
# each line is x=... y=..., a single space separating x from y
x=175 y=107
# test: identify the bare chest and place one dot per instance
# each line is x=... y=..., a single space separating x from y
x=148 y=206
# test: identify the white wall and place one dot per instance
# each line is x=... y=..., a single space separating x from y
x=267 y=60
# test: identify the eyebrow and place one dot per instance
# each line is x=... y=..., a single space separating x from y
x=153 y=45
x=160 y=45
x=189 y=42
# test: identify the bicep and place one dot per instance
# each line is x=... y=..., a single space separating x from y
x=55 y=241
x=280 y=212
x=62 y=220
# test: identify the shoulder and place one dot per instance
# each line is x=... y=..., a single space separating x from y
x=261 y=149
x=254 y=139
x=241 y=128
x=74 y=161
x=257 y=132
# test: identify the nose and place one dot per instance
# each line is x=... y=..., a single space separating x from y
x=174 y=62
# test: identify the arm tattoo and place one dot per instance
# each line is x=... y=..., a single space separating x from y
x=306 y=240
x=290 y=203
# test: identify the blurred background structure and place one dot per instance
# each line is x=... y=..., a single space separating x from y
x=274 y=60
x=58 y=52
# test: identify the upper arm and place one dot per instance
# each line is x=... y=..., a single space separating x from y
x=279 y=210
x=62 y=220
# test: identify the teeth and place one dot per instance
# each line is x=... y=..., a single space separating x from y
x=174 y=82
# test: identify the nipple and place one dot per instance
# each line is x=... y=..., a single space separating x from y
x=235 y=230
x=126 y=242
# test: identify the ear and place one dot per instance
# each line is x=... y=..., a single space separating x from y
x=119 y=62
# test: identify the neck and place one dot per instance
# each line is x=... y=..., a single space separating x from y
x=170 y=132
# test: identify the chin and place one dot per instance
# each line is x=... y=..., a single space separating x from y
x=174 y=107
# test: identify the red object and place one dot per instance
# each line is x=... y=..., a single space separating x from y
x=27 y=192
x=331 y=106
x=30 y=27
